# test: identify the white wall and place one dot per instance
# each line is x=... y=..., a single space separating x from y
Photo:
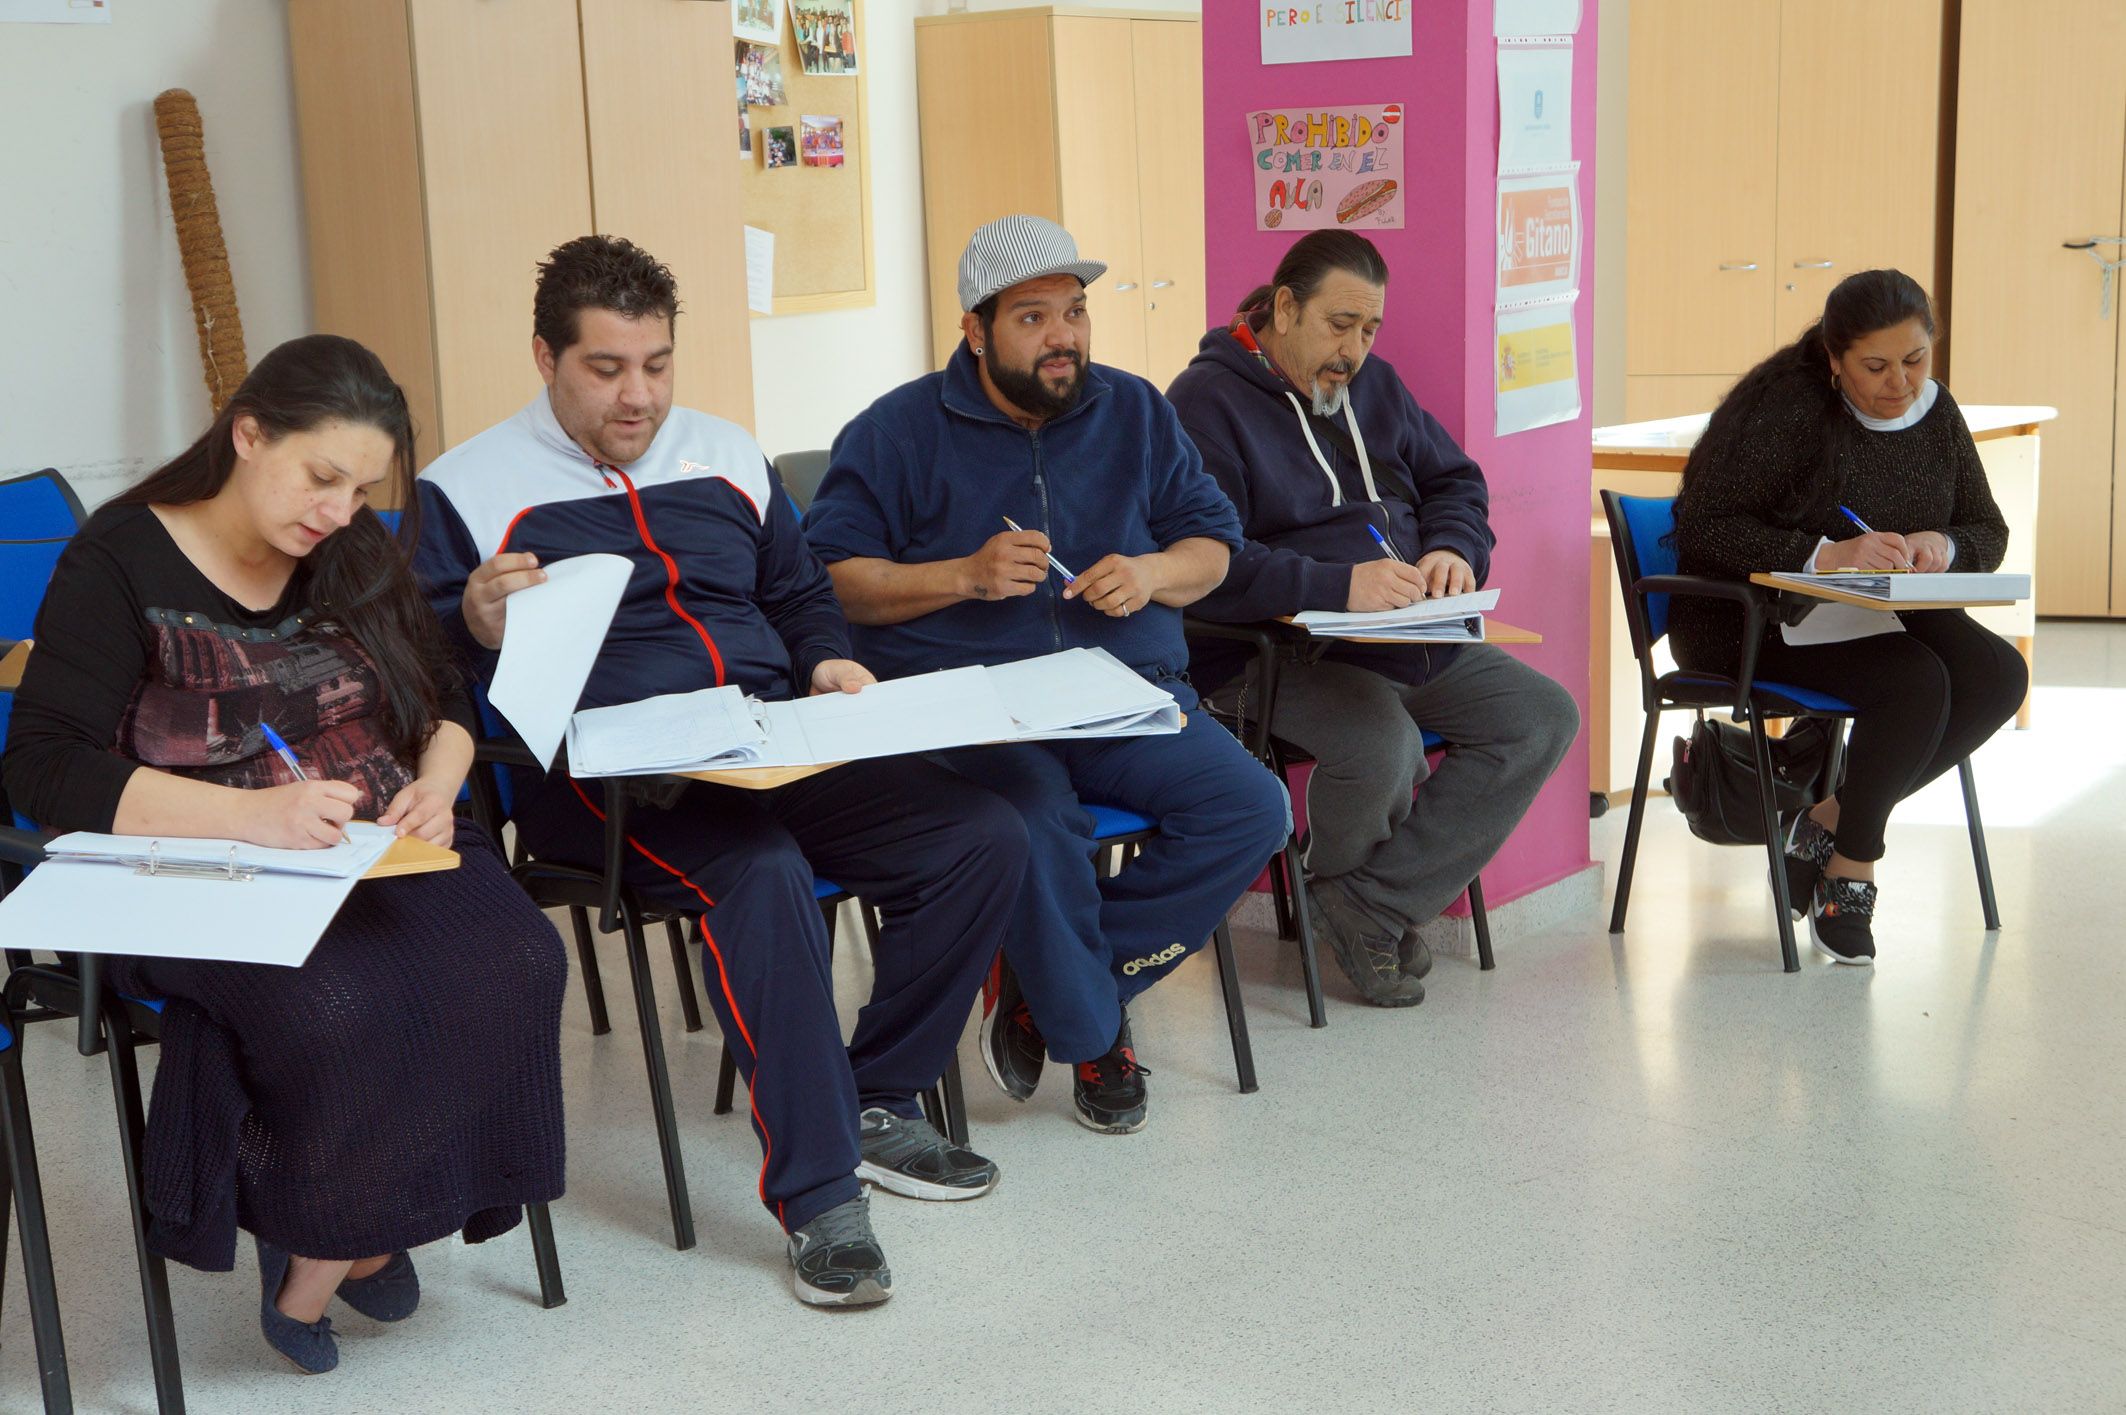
x=99 y=364
x=868 y=351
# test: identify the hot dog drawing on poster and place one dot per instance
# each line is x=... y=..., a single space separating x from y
x=1321 y=168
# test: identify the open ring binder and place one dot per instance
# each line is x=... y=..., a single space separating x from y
x=154 y=864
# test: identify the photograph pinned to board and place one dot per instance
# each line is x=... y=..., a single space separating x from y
x=1537 y=367
x=1539 y=236
x=759 y=21
x=1535 y=104
x=820 y=137
x=778 y=147
x=1319 y=169
x=826 y=36
x=745 y=119
x=1344 y=29
x=760 y=71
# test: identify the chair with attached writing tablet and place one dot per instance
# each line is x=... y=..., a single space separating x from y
x=1641 y=534
x=26 y=1192
x=1275 y=642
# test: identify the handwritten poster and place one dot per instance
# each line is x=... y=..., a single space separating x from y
x=1539 y=235
x=1322 y=168
x=1319 y=30
x=1514 y=19
x=1536 y=367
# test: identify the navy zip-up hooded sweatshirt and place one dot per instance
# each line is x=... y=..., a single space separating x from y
x=930 y=471
x=1306 y=523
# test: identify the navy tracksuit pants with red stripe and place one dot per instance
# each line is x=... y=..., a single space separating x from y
x=940 y=857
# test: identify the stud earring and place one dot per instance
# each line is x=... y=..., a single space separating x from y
x=978 y=351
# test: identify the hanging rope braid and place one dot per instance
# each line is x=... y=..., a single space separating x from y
x=199 y=242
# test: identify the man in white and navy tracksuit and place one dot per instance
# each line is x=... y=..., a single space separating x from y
x=725 y=591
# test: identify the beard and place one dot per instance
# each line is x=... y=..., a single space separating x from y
x=1027 y=389
x=1329 y=398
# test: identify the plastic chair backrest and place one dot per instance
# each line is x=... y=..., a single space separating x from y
x=492 y=725
x=1641 y=527
x=801 y=474
x=39 y=514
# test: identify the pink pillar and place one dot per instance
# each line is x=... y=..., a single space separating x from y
x=1438 y=330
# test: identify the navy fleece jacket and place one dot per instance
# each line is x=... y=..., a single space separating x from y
x=1306 y=524
x=930 y=471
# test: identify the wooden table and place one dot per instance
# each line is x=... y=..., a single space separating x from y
x=1496 y=631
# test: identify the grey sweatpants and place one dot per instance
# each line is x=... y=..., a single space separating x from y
x=1403 y=861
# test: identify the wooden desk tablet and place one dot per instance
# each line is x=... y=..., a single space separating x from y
x=411 y=855
x=11 y=666
x=1835 y=596
x=1496 y=631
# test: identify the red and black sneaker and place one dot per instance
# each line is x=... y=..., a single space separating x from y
x=1109 y=1090
x=1012 y=1047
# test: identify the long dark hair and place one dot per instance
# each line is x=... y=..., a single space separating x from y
x=1309 y=261
x=1858 y=306
x=360 y=577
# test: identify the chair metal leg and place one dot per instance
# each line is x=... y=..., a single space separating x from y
x=154 y=1277
x=28 y=1192
x=953 y=1091
x=1978 y=845
x=688 y=1007
x=541 y=1223
x=1761 y=748
x=726 y=1082
x=587 y=964
x=1480 y=918
x=1638 y=818
x=675 y=1173
x=1302 y=930
x=1282 y=873
x=1236 y=1015
x=932 y=1100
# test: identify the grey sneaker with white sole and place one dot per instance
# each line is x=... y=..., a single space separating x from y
x=909 y=1158
x=836 y=1260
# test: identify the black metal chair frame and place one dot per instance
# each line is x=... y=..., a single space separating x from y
x=1745 y=702
x=1274 y=641
x=26 y=1191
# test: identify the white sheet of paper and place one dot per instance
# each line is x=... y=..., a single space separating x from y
x=1535 y=106
x=364 y=844
x=926 y=713
x=107 y=908
x=1838 y=623
x=760 y=270
x=550 y=639
x=664 y=733
x=1074 y=689
x=1520 y=19
x=1425 y=611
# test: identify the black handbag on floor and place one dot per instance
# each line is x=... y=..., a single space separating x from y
x=1713 y=779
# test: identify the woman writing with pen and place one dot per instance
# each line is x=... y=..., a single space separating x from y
x=236 y=648
x=1840 y=452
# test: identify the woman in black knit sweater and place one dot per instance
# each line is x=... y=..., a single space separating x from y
x=403 y=1084
x=1847 y=417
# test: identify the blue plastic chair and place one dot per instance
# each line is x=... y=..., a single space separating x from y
x=1641 y=530
x=39 y=514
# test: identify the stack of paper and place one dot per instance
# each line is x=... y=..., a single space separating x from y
x=1078 y=693
x=550 y=639
x=363 y=845
x=1453 y=619
x=1903 y=586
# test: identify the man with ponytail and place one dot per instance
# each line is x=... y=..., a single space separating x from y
x=1355 y=498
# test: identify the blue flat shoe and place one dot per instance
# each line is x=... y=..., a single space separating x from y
x=308 y=1345
x=387 y=1295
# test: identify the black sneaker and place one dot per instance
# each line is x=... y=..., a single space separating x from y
x=835 y=1260
x=1012 y=1047
x=1109 y=1090
x=909 y=1158
x=1841 y=920
x=1808 y=850
x=1415 y=954
x=1371 y=961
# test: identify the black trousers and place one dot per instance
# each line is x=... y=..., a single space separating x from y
x=1923 y=701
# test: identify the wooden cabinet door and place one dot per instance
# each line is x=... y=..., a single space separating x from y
x=2040 y=148
x=1169 y=81
x=661 y=176
x=505 y=178
x=1859 y=148
x=1700 y=204
x=1096 y=157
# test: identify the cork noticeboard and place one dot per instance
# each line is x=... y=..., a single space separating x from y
x=820 y=216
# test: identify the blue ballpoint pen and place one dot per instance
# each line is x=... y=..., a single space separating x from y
x=273 y=740
x=1382 y=542
x=1068 y=578
x=1865 y=528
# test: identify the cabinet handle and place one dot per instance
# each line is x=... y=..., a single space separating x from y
x=1812 y=265
x=1161 y=284
x=1127 y=285
x=1738 y=265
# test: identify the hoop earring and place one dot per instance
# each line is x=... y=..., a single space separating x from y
x=1834 y=379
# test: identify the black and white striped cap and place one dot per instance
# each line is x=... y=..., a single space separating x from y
x=1013 y=249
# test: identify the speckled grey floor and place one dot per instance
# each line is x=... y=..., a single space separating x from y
x=1652 y=1174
